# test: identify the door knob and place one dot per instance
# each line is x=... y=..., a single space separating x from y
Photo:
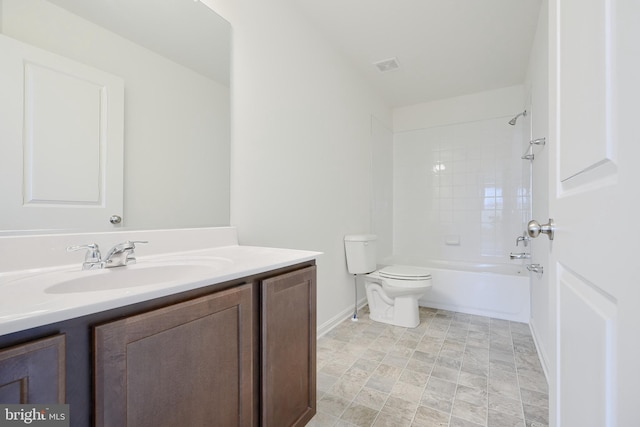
x=115 y=219
x=534 y=228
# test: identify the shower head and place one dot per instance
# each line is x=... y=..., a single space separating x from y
x=513 y=121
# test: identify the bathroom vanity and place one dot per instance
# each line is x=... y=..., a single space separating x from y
x=235 y=348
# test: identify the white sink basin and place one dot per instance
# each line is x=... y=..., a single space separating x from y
x=34 y=296
x=147 y=273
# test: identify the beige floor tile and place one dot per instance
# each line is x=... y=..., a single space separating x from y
x=371 y=398
x=400 y=408
x=534 y=398
x=536 y=413
x=470 y=412
x=476 y=396
x=428 y=417
x=408 y=392
x=499 y=403
x=333 y=405
x=472 y=380
x=498 y=419
x=445 y=373
x=359 y=415
x=459 y=422
x=454 y=370
x=418 y=379
x=323 y=420
x=388 y=420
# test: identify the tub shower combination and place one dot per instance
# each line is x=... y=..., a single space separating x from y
x=396 y=290
x=472 y=187
x=493 y=290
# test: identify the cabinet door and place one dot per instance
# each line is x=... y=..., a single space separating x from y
x=289 y=349
x=184 y=365
x=33 y=372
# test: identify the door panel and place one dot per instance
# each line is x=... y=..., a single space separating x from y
x=587 y=322
x=62 y=132
x=594 y=199
x=585 y=71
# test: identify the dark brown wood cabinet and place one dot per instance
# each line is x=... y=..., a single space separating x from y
x=289 y=349
x=237 y=353
x=33 y=372
x=186 y=364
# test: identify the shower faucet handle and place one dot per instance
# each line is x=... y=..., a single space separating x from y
x=524 y=239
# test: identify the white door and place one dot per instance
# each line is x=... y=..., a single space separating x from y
x=594 y=147
x=61 y=142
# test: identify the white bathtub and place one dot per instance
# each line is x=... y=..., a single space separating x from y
x=494 y=290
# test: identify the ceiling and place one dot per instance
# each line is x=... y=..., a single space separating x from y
x=445 y=48
x=200 y=39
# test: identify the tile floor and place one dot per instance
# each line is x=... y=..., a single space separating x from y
x=454 y=370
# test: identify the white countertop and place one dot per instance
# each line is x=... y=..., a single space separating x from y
x=26 y=300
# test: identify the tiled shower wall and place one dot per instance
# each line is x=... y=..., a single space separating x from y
x=459 y=192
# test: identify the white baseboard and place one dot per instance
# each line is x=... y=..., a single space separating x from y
x=338 y=318
x=542 y=356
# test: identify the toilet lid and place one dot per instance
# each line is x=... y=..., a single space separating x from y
x=404 y=272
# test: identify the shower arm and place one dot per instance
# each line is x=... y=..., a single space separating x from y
x=513 y=121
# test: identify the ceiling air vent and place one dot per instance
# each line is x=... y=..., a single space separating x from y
x=386 y=65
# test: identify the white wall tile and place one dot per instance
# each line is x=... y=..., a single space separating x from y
x=479 y=195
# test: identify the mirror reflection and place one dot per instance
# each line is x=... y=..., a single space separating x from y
x=173 y=60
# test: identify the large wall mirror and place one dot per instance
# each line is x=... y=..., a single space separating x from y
x=171 y=59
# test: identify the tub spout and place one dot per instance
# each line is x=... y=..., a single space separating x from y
x=519 y=255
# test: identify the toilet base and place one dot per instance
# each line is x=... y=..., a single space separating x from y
x=399 y=311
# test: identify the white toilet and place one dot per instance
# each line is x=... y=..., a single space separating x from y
x=393 y=291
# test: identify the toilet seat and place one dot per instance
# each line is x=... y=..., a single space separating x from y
x=403 y=272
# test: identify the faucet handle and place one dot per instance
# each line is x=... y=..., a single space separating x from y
x=93 y=251
x=131 y=244
x=93 y=257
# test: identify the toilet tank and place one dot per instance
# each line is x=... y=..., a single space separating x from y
x=360 y=250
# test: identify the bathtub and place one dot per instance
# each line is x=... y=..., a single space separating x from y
x=493 y=290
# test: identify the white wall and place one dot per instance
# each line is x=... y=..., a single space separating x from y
x=458 y=188
x=175 y=119
x=382 y=171
x=537 y=84
x=301 y=142
x=503 y=102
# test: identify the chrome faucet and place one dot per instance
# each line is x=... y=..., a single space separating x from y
x=122 y=254
x=119 y=255
x=519 y=255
